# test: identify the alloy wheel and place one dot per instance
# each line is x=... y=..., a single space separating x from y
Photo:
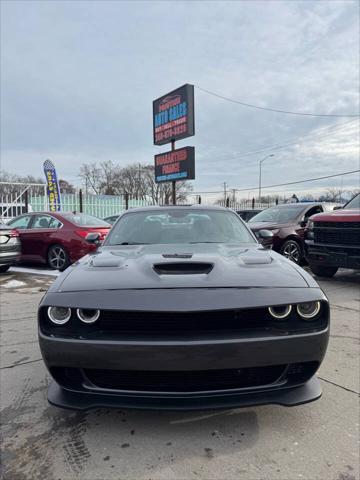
x=292 y=251
x=57 y=258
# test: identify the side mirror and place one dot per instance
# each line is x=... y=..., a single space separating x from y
x=93 y=238
x=303 y=223
x=338 y=207
x=265 y=237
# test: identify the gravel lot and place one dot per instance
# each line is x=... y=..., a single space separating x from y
x=314 y=441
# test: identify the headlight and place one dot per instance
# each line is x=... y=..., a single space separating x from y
x=310 y=224
x=88 y=315
x=308 y=310
x=280 y=312
x=59 y=315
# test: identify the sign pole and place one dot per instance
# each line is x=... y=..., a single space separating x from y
x=173 y=184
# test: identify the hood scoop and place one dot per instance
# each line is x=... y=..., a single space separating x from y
x=106 y=261
x=183 y=268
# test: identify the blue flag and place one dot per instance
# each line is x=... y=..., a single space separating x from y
x=53 y=189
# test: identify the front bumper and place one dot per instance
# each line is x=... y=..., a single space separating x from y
x=9 y=258
x=74 y=387
x=287 y=397
x=332 y=255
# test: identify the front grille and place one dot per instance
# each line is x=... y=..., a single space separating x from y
x=337 y=224
x=337 y=236
x=184 y=381
x=301 y=372
x=163 y=322
x=195 y=324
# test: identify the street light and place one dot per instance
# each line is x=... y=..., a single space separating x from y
x=260 y=163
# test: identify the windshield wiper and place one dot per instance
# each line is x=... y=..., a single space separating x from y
x=205 y=242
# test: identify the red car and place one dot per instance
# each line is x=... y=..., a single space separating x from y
x=57 y=239
x=333 y=240
x=287 y=222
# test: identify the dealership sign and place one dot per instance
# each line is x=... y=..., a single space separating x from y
x=173 y=115
x=175 y=165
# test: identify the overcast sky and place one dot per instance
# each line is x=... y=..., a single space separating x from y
x=78 y=80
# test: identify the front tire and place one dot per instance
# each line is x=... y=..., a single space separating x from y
x=4 y=268
x=58 y=258
x=292 y=250
x=321 y=271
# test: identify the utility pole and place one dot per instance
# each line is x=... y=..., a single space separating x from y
x=224 y=193
x=260 y=164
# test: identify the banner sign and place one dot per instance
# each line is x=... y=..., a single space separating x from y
x=175 y=165
x=173 y=115
x=53 y=189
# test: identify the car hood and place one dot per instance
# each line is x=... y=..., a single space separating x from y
x=345 y=215
x=256 y=226
x=181 y=266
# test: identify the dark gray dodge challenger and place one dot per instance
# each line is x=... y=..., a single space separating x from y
x=182 y=308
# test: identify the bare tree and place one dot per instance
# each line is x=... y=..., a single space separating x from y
x=65 y=186
x=137 y=180
x=13 y=178
x=91 y=176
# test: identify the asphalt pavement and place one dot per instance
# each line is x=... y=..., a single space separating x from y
x=314 y=441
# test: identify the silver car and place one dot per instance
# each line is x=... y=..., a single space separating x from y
x=10 y=247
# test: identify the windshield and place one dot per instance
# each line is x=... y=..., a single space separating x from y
x=281 y=214
x=178 y=226
x=85 y=220
x=354 y=203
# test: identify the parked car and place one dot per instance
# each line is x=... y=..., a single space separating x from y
x=112 y=219
x=181 y=308
x=287 y=223
x=246 y=215
x=10 y=247
x=57 y=239
x=333 y=239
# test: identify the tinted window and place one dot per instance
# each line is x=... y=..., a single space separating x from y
x=354 y=203
x=46 y=221
x=20 y=222
x=179 y=226
x=281 y=214
x=313 y=211
x=85 y=220
x=55 y=223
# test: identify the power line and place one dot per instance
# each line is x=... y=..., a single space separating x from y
x=232 y=100
x=310 y=136
x=302 y=181
x=284 y=184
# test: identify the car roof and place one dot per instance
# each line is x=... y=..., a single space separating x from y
x=250 y=209
x=195 y=206
x=304 y=204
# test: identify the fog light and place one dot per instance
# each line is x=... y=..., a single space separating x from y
x=59 y=315
x=280 y=312
x=308 y=310
x=88 y=315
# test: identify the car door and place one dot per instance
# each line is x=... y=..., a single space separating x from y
x=304 y=219
x=23 y=225
x=42 y=228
